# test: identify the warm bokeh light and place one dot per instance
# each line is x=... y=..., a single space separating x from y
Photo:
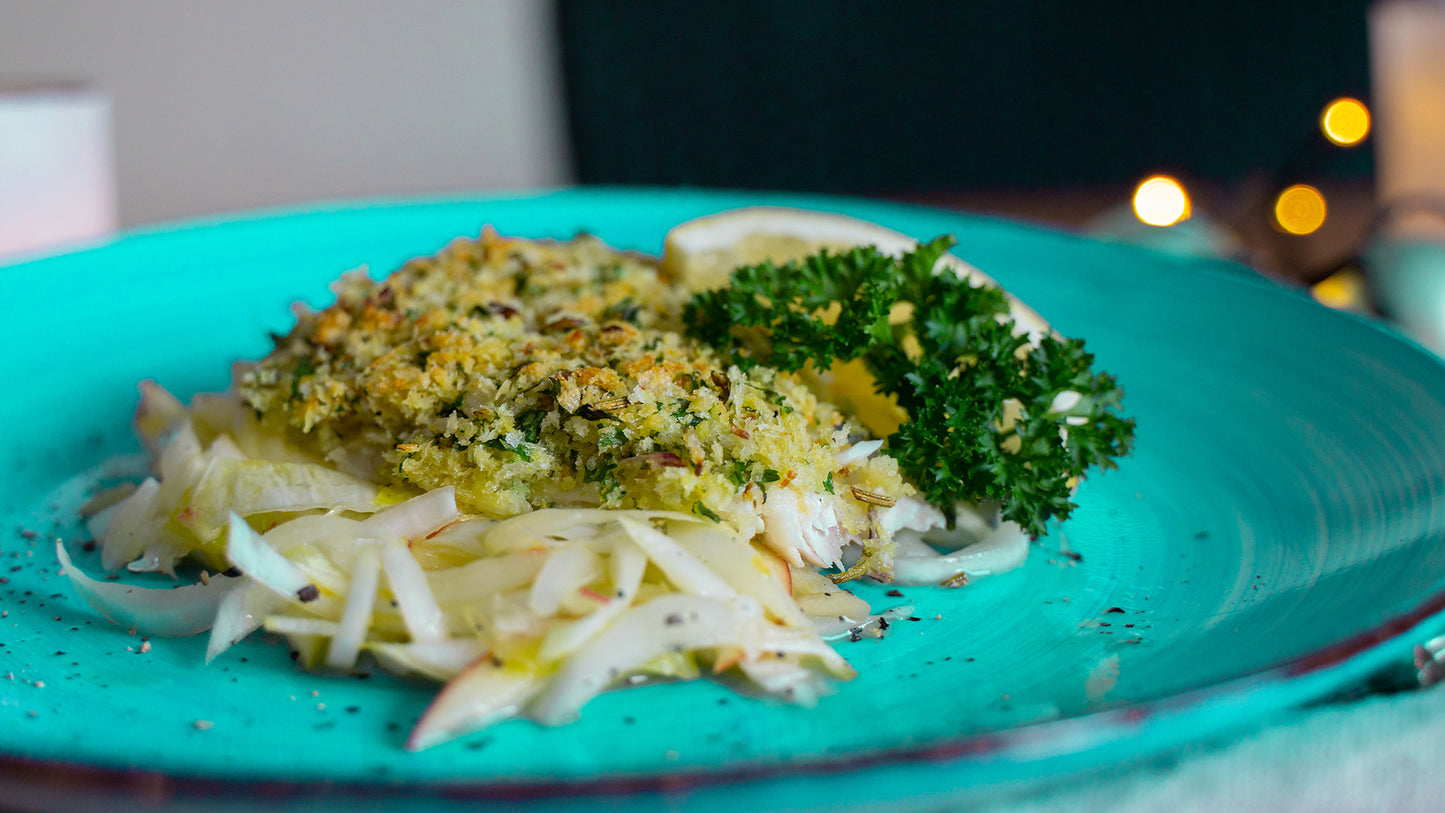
x=1343 y=290
x=1300 y=209
x=1345 y=121
x=1161 y=201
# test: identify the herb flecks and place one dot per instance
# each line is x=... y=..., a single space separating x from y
x=703 y=511
x=981 y=399
x=303 y=368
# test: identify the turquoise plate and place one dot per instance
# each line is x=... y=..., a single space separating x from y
x=1274 y=539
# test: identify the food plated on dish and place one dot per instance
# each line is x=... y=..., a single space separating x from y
x=534 y=469
x=1216 y=578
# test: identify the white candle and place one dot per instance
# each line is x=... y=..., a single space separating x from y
x=57 y=166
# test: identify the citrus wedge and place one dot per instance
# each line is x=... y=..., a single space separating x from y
x=702 y=252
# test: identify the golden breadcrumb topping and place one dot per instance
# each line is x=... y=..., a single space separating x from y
x=529 y=374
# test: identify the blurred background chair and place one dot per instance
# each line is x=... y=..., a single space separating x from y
x=937 y=97
x=1047 y=111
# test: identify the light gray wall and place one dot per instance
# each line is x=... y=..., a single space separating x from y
x=228 y=105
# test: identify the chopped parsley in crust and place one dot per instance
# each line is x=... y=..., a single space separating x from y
x=530 y=374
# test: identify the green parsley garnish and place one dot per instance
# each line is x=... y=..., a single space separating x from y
x=502 y=445
x=604 y=474
x=303 y=369
x=982 y=424
x=703 y=511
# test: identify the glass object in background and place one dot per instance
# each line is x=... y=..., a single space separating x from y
x=1406 y=259
x=57 y=166
x=1408 y=67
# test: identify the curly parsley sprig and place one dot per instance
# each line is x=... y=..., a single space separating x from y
x=990 y=417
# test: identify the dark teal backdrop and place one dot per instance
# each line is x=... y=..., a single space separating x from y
x=880 y=97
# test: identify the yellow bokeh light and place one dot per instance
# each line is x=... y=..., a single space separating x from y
x=1161 y=201
x=1342 y=290
x=1300 y=209
x=1345 y=122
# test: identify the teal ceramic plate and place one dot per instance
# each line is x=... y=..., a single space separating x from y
x=1276 y=537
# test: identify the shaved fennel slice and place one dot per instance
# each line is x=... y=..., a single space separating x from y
x=463 y=536
x=259 y=444
x=98 y=523
x=833 y=625
x=324 y=531
x=217 y=413
x=341 y=652
x=785 y=678
x=240 y=613
x=549 y=526
x=157 y=415
x=165 y=612
x=760 y=636
x=414 y=518
x=328 y=570
x=482 y=694
x=541 y=529
x=339 y=537
x=482 y=578
x=248 y=551
x=181 y=464
x=682 y=568
x=159 y=557
x=438 y=660
x=830 y=609
x=743 y=568
x=133 y=526
x=566 y=570
x=627 y=566
x=664 y=624
x=249 y=487
x=419 y=608
x=291 y=625
x=1004 y=548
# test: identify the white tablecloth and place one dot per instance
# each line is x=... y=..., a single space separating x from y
x=1379 y=753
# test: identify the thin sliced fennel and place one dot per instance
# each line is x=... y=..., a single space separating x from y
x=241 y=613
x=567 y=570
x=157 y=416
x=481 y=579
x=417 y=517
x=668 y=622
x=168 y=612
x=132 y=526
x=483 y=693
x=530 y=616
x=247 y=487
x=682 y=568
x=438 y=660
x=1001 y=549
x=356 y=618
x=419 y=608
x=300 y=625
x=258 y=560
x=628 y=564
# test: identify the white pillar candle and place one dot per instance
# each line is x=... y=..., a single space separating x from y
x=57 y=166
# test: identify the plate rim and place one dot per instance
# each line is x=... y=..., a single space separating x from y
x=1313 y=676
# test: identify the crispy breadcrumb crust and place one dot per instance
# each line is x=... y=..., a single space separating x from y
x=529 y=374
